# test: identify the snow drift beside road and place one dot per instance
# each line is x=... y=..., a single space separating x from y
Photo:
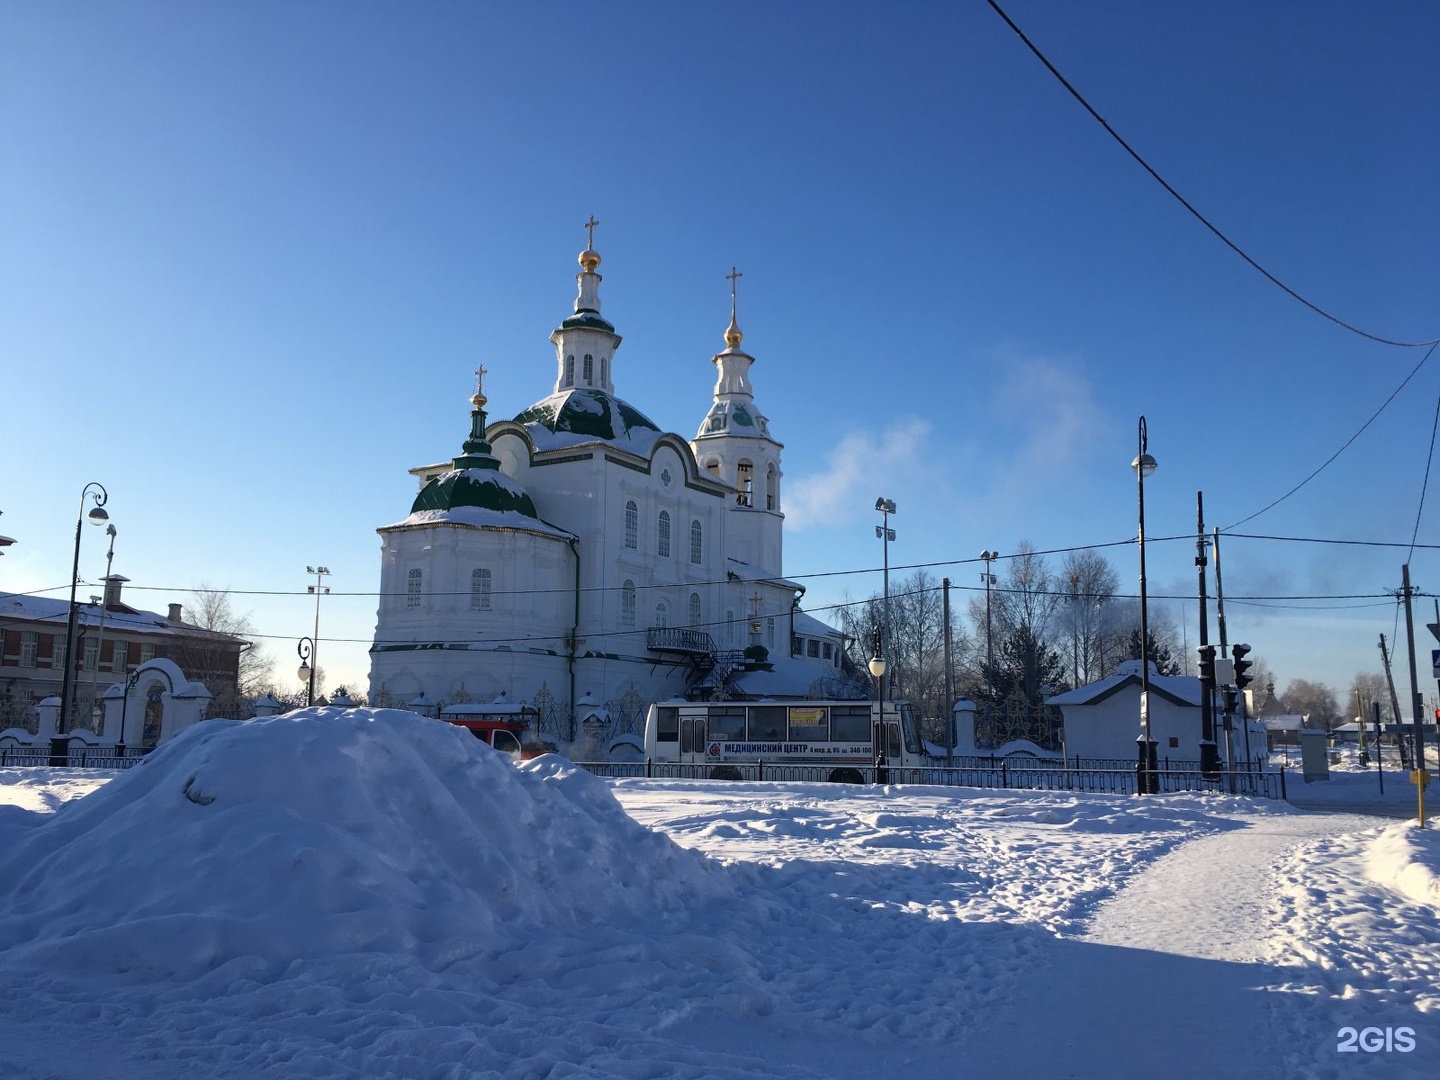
x=327 y=831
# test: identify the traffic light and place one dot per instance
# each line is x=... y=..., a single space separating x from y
x=1207 y=666
x=1243 y=677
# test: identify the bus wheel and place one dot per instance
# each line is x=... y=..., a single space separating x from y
x=846 y=776
x=725 y=772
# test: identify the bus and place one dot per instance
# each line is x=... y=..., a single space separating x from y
x=838 y=741
x=498 y=724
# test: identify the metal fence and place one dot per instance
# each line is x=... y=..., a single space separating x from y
x=1000 y=776
x=72 y=755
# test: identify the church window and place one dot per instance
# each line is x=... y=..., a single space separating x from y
x=772 y=488
x=569 y=371
x=604 y=371
x=770 y=632
x=627 y=603
x=697 y=543
x=589 y=370
x=694 y=609
x=480 y=589
x=662 y=615
x=663 y=544
x=412 y=588
x=632 y=525
x=745 y=481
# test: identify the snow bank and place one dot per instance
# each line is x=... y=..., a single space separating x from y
x=1407 y=859
x=324 y=832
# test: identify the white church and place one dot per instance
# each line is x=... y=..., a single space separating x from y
x=582 y=561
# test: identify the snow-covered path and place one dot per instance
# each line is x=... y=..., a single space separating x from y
x=1208 y=898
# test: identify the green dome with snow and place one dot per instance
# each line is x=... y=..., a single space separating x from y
x=586 y=415
x=481 y=489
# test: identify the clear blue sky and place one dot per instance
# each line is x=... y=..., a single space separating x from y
x=252 y=253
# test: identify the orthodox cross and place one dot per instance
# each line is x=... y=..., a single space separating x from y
x=732 y=277
x=590 y=232
x=480 y=373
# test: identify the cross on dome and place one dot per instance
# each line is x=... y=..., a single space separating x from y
x=478 y=400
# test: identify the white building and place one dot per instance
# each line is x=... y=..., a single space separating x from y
x=582 y=560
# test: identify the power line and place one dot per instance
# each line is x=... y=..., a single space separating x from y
x=1186 y=204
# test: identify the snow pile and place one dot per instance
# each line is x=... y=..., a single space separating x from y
x=1407 y=859
x=327 y=832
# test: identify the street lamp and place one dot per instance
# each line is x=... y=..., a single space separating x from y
x=885 y=535
x=317 y=590
x=987 y=557
x=97 y=516
x=877 y=669
x=1145 y=778
x=104 y=605
x=306 y=673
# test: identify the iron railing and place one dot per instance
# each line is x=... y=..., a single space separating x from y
x=1002 y=776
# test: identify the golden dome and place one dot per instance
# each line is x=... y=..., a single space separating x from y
x=733 y=336
x=589 y=259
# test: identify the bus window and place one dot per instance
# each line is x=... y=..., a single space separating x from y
x=907 y=727
x=850 y=723
x=808 y=723
x=767 y=723
x=505 y=741
x=667 y=724
x=727 y=723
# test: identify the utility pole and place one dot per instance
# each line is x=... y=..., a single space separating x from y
x=949 y=683
x=1394 y=703
x=1209 y=752
x=1419 y=775
x=1224 y=645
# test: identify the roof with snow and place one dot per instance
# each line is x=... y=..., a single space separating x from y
x=584 y=414
x=118 y=617
x=1179 y=689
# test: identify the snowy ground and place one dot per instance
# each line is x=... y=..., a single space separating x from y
x=368 y=894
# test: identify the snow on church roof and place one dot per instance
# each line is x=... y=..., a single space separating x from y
x=583 y=415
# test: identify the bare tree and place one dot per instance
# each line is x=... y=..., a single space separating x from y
x=1089 y=591
x=1313 y=699
x=211 y=609
x=1366 y=689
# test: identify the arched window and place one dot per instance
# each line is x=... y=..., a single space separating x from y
x=772 y=488
x=662 y=615
x=662 y=546
x=694 y=609
x=569 y=371
x=589 y=370
x=479 y=589
x=412 y=588
x=745 y=482
x=627 y=603
x=770 y=631
x=604 y=371
x=632 y=525
x=697 y=543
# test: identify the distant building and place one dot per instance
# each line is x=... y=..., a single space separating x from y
x=32 y=661
x=1102 y=720
x=579 y=549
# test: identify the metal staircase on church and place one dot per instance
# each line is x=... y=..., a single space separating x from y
x=712 y=669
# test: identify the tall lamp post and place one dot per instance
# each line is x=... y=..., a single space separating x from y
x=317 y=590
x=987 y=557
x=306 y=672
x=1145 y=779
x=885 y=535
x=877 y=670
x=97 y=516
x=104 y=605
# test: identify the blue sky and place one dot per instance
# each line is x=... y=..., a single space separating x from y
x=253 y=253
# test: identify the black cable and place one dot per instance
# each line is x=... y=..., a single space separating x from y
x=1185 y=203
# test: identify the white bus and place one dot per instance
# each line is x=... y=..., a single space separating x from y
x=842 y=741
